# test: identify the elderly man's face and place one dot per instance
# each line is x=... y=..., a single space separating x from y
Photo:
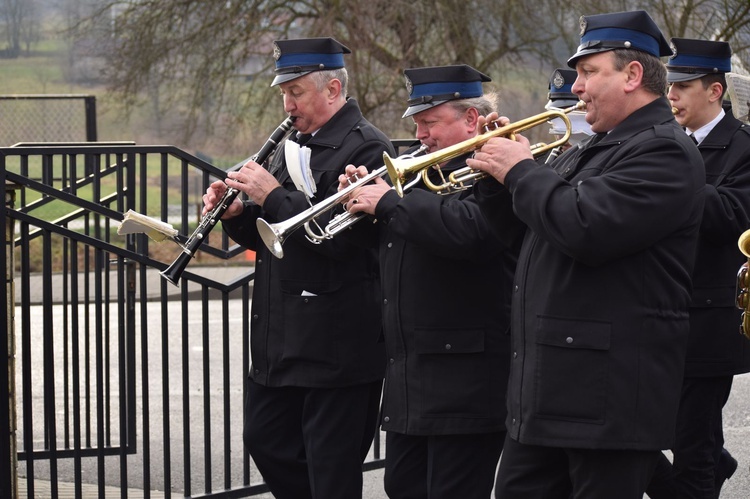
x=443 y=126
x=312 y=106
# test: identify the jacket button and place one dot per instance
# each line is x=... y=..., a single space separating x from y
x=307 y=300
x=390 y=245
x=515 y=288
x=392 y=361
x=258 y=261
x=447 y=346
x=708 y=302
x=257 y=371
x=513 y=421
x=568 y=340
x=386 y=419
x=515 y=355
x=385 y=301
x=255 y=317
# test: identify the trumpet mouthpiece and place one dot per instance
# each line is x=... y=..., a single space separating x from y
x=675 y=111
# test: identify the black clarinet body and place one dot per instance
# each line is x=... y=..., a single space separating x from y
x=210 y=219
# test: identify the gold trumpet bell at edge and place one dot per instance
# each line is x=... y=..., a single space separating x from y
x=742 y=297
x=744 y=243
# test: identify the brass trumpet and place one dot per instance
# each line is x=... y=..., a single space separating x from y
x=743 y=282
x=402 y=170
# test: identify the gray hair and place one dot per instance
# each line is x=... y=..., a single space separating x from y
x=321 y=78
x=484 y=104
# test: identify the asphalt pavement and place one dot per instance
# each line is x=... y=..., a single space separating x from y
x=736 y=415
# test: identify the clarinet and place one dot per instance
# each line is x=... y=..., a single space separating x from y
x=208 y=222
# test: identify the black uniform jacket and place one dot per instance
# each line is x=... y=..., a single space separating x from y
x=602 y=287
x=315 y=318
x=446 y=283
x=716 y=347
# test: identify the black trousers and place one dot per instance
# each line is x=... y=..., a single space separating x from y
x=536 y=472
x=699 y=440
x=441 y=466
x=311 y=442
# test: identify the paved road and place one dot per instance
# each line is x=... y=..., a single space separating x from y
x=736 y=414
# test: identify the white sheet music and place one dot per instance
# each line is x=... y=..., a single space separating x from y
x=298 y=166
x=738 y=88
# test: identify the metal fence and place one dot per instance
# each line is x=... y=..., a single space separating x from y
x=47 y=118
x=121 y=379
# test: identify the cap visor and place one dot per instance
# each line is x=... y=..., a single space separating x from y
x=560 y=104
x=673 y=76
x=411 y=110
x=572 y=61
x=282 y=78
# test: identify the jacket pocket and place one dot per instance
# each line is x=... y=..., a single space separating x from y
x=716 y=296
x=451 y=373
x=312 y=314
x=572 y=369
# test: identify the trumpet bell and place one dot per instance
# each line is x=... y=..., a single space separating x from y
x=271 y=236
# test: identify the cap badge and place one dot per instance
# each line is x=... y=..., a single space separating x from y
x=276 y=51
x=557 y=80
x=409 y=86
x=583 y=24
x=673 y=48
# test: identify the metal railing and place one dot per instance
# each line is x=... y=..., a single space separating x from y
x=122 y=379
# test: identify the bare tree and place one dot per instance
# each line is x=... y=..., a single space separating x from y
x=218 y=51
x=215 y=54
x=19 y=25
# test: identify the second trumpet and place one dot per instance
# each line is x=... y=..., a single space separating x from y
x=404 y=169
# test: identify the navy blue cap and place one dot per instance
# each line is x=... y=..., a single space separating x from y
x=692 y=59
x=620 y=30
x=298 y=57
x=561 y=88
x=430 y=87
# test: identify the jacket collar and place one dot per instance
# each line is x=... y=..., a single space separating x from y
x=657 y=112
x=333 y=133
x=721 y=135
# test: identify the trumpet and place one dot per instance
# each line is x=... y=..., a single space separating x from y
x=402 y=170
x=274 y=235
x=743 y=282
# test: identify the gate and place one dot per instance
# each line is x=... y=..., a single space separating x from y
x=118 y=378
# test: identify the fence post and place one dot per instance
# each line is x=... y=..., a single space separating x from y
x=9 y=461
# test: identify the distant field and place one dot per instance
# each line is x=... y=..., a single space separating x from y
x=44 y=72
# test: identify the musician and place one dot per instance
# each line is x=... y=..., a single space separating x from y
x=317 y=362
x=561 y=96
x=602 y=287
x=446 y=297
x=716 y=350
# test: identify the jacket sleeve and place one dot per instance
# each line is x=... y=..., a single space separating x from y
x=641 y=193
x=451 y=226
x=727 y=210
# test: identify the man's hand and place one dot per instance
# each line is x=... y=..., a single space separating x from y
x=363 y=198
x=253 y=180
x=499 y=154
x=213 y=195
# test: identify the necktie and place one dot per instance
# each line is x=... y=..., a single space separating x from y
x=692 y=137
x=303 y=138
